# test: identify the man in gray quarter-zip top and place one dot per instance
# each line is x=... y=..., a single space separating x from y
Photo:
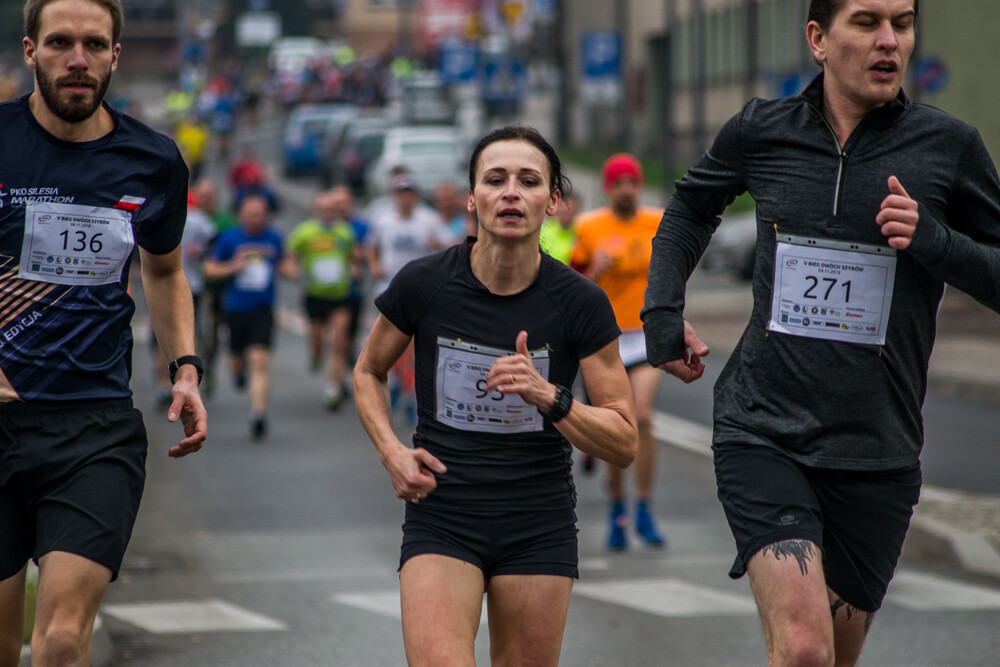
x=867 y=204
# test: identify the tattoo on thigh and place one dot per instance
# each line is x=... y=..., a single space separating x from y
x=800 y=550
x=851 y=610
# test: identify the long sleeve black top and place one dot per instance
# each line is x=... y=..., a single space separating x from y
x=828 y=403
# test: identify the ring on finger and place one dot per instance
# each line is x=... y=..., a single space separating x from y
x=512 y=378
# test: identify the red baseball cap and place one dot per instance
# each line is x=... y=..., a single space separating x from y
x=620 y=165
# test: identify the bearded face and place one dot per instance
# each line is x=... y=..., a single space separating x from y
x=73 y=97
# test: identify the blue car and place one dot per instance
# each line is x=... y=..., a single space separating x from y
x=303 y=138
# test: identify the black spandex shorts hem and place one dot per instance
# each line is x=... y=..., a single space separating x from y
x=858 y=518
x=71 y=478
x=249 y=329
x=527 y=542
x=318 y=309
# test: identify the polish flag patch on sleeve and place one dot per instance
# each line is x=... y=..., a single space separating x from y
x=130 y=204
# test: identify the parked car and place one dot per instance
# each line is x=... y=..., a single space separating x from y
x=303 y=137
x=363 y=141
x=424 y=98
x=733 y=247
x=431 y=153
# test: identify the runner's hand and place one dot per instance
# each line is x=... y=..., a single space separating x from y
x=188 y=407
x=412 y=472
x=516 y=374
x=690 y=367
x=898 y=216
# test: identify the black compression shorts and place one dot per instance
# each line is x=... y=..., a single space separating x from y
x=254 y=328
x=319 y=309
x=71 y=477
x=858 y=518
x=539 y=542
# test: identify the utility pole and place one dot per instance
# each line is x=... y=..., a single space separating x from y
x=700 y=78
x=562 y=65
x=624 y=113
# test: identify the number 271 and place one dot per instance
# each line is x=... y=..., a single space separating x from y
x=830 y=284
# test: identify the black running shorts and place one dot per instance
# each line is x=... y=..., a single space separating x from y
x=858 y=518
x=71 y=476
x=539 y=542
x=253 y=328
x=319 y=309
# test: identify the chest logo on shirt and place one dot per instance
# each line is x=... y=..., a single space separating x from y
x=19 y=197
x=130 y=204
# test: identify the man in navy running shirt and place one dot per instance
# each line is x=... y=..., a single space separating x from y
x=80 y=186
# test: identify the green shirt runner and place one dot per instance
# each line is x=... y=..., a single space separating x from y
x=325 y=251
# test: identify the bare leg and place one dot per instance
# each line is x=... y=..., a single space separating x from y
x=441 y=600
x=70 y=589
x=527 y=619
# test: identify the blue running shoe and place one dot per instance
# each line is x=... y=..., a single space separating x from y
x=645 y=526
x=618 y=519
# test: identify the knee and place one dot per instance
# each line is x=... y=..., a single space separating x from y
x=805 y=649
x=644 y=420
x=61 y=644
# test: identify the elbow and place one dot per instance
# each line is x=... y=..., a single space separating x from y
x=629 y=450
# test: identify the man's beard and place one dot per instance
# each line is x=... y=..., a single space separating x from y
x=76 y=108
x=624 y=207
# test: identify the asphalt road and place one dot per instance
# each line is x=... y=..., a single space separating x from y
x=284 y=552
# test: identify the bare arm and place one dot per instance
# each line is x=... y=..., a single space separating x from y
x=171 y=311
x=410 y=470
x=606 y=428
x=216 y=269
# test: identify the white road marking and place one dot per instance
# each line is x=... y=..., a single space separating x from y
x=191 y=617
x=668 y=597
x=682 y=433
x=384 y=604
x=924 y=592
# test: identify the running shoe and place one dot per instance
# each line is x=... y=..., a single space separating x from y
x=258 y=426
x=332 y=396
x=617 y=540
x=646 y=527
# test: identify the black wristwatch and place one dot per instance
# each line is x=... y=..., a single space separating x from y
x=564 y=401
x=186 y=359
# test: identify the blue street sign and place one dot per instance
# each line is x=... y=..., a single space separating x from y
x=458 y=61
x=601 y=54
x=503 y=81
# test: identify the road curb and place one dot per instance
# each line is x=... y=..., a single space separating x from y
x=933 y=540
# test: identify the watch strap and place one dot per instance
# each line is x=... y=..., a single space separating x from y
x=564 y=401
x=186 y=359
